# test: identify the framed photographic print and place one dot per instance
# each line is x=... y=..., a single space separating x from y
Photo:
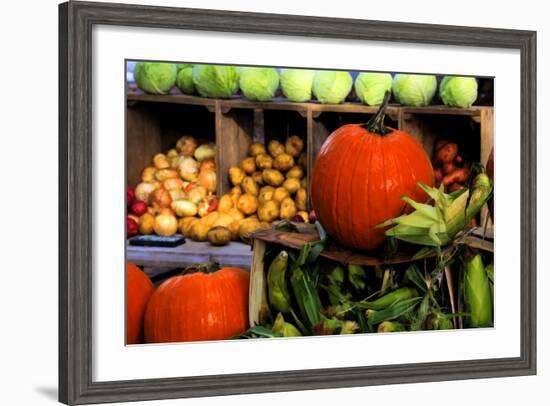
x=261 y=202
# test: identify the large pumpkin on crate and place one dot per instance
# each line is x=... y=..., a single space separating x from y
x=359 y=176
x=139 y=289
x=204 y=303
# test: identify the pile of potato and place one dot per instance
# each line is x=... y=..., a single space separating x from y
x=268 y=185
x=449 y=167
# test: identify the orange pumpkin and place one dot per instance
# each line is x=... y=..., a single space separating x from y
x=138 y=291
x=359 y=176
x=205 y=303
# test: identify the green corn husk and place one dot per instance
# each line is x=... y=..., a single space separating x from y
x=285 y=328
x=437 y=225
x=392 y=312
x=422 y=313
x=278 y=295
x=389 y=299
x=357 y=276
x=390 y=327
x=307 y=297
x=477 y=292
x=335 y=284
x=490 y=270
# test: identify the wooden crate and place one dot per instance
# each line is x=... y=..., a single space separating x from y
x=155 y=122
x=258 y=308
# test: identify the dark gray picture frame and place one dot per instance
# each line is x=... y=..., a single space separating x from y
x=76 y=20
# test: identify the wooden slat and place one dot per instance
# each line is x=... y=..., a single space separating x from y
x=258 y=308
x=344 y=255
x=171 y=98
x=143 y=140
x=317 y=134
x=238 y=102
x=333 y=251
x=234 y=133
x=471 y=111
x=487 y=128
x=192 y=252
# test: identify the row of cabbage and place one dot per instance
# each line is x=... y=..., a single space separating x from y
x=303 y=85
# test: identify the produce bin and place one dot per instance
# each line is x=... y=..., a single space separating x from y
x=155 y=122
x=275 y=240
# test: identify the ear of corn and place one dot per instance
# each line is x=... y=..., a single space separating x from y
x=437 y=225
x=422 y=313
x=477 y=292
x=279 y=297
x=392 y=312
x=357 y=276
x=439 y=321
x=390 y=327
x=334 y=326
x=284 y=328
x=335 y=284
x=306 y=295
x=389 y=299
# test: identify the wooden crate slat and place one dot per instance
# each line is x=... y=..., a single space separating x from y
x=192 y=252
x=143 y=137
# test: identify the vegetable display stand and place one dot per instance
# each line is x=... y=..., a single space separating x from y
x=273 y=240
x=155 y=122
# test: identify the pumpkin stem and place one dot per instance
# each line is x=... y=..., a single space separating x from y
x=376 y=123
x=209 y=267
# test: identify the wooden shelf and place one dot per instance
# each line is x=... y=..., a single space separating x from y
x=238 y=102
x=192 y=252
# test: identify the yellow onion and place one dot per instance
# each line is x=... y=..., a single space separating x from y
x=188 y=169
x=184 y=208
x=148 y=174
x=186 y=145
x=196 y=194
x=172 y=183
x=144 y=191
x=172 y=153
x=207 y=179
x=176 y=194
x=167 y=211
x=162 y=174
x=165 y=225
x=208 y=163
x=160 y=161
x=161 y=197
x=207 y=205
x=146 y=223
x=205 y=151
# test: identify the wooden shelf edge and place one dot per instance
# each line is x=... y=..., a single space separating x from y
x=318 y=108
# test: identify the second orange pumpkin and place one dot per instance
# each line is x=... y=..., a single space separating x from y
x=204 y=304
x=359 y=176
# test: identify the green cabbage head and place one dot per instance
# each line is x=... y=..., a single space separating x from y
x=414 y=90
x=215 y=80
x=332 y=87
x=155 y=77
x=296 y=84
x=458 y=91
x=184 y=80
x=371 y=87
x=259 y=84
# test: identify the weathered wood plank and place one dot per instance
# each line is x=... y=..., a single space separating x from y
x=257 y=296
x=143 y=140
x=192 y=252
